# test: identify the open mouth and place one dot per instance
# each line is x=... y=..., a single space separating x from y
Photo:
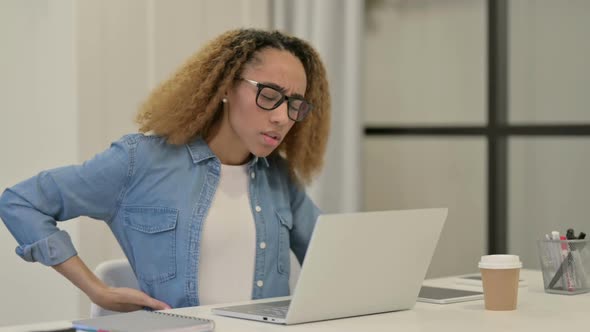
x=272 y=138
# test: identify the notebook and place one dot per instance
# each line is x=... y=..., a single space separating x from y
x=356 y=264
x=145 y=321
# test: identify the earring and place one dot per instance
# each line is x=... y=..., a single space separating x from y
x=224 y=100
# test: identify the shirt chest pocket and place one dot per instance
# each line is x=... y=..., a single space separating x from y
x=152 y=237
x=285 y=218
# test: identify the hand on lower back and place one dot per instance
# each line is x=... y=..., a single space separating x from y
x=110 y=298
x=126 y=299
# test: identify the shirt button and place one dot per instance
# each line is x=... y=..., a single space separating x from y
x=259 y=283
x=253 y=175
x=262 y=245
x=258 y=208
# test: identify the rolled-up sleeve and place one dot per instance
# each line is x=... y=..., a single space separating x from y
x=31 y=209
x=51 y=250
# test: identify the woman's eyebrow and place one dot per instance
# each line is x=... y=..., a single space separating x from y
x=296 y=95
x=275 y=86
x=281 y=89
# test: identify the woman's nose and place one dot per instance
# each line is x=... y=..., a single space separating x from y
x=279 y=115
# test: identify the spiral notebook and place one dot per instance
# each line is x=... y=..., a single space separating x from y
x=145 y=321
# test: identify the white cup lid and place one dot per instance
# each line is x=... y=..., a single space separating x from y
x=500 y=262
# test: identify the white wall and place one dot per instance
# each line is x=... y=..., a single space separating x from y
x=73 y=74
x=38 y=121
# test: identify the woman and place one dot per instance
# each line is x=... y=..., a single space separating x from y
x=208 y=201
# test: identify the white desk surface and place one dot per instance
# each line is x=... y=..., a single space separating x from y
x=537 y=311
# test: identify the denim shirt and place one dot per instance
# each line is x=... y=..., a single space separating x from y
x=155 y=196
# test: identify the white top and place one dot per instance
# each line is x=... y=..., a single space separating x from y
x=228 y=242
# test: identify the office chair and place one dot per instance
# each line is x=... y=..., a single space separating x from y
x=115 y=273
x=118 y=273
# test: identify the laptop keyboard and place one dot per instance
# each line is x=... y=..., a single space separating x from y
x=276 y=309
x=272 y=312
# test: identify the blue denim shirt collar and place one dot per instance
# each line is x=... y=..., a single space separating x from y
x=200 y=151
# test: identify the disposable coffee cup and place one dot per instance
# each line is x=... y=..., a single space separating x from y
x=499 y=275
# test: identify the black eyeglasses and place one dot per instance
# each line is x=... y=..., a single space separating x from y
x=269 y=98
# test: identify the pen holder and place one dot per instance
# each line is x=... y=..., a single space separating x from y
x=565 y=265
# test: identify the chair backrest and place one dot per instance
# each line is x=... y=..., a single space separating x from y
x=118 y=273
x=114 y=273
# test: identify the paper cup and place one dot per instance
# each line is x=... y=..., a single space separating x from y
x=499 y=275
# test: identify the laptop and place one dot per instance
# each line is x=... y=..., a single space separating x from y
x=356 y=264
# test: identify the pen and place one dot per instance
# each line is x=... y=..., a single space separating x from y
x=90 y=329
x=567 y=257
x=580 y=276
x=559 y=261
x=570 y=234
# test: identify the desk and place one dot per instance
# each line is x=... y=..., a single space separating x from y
x=537 y=311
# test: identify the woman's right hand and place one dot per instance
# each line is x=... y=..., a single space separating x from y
x=110 y=298
x=125 y=299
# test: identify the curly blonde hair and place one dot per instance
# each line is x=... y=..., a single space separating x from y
x=188 y=104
